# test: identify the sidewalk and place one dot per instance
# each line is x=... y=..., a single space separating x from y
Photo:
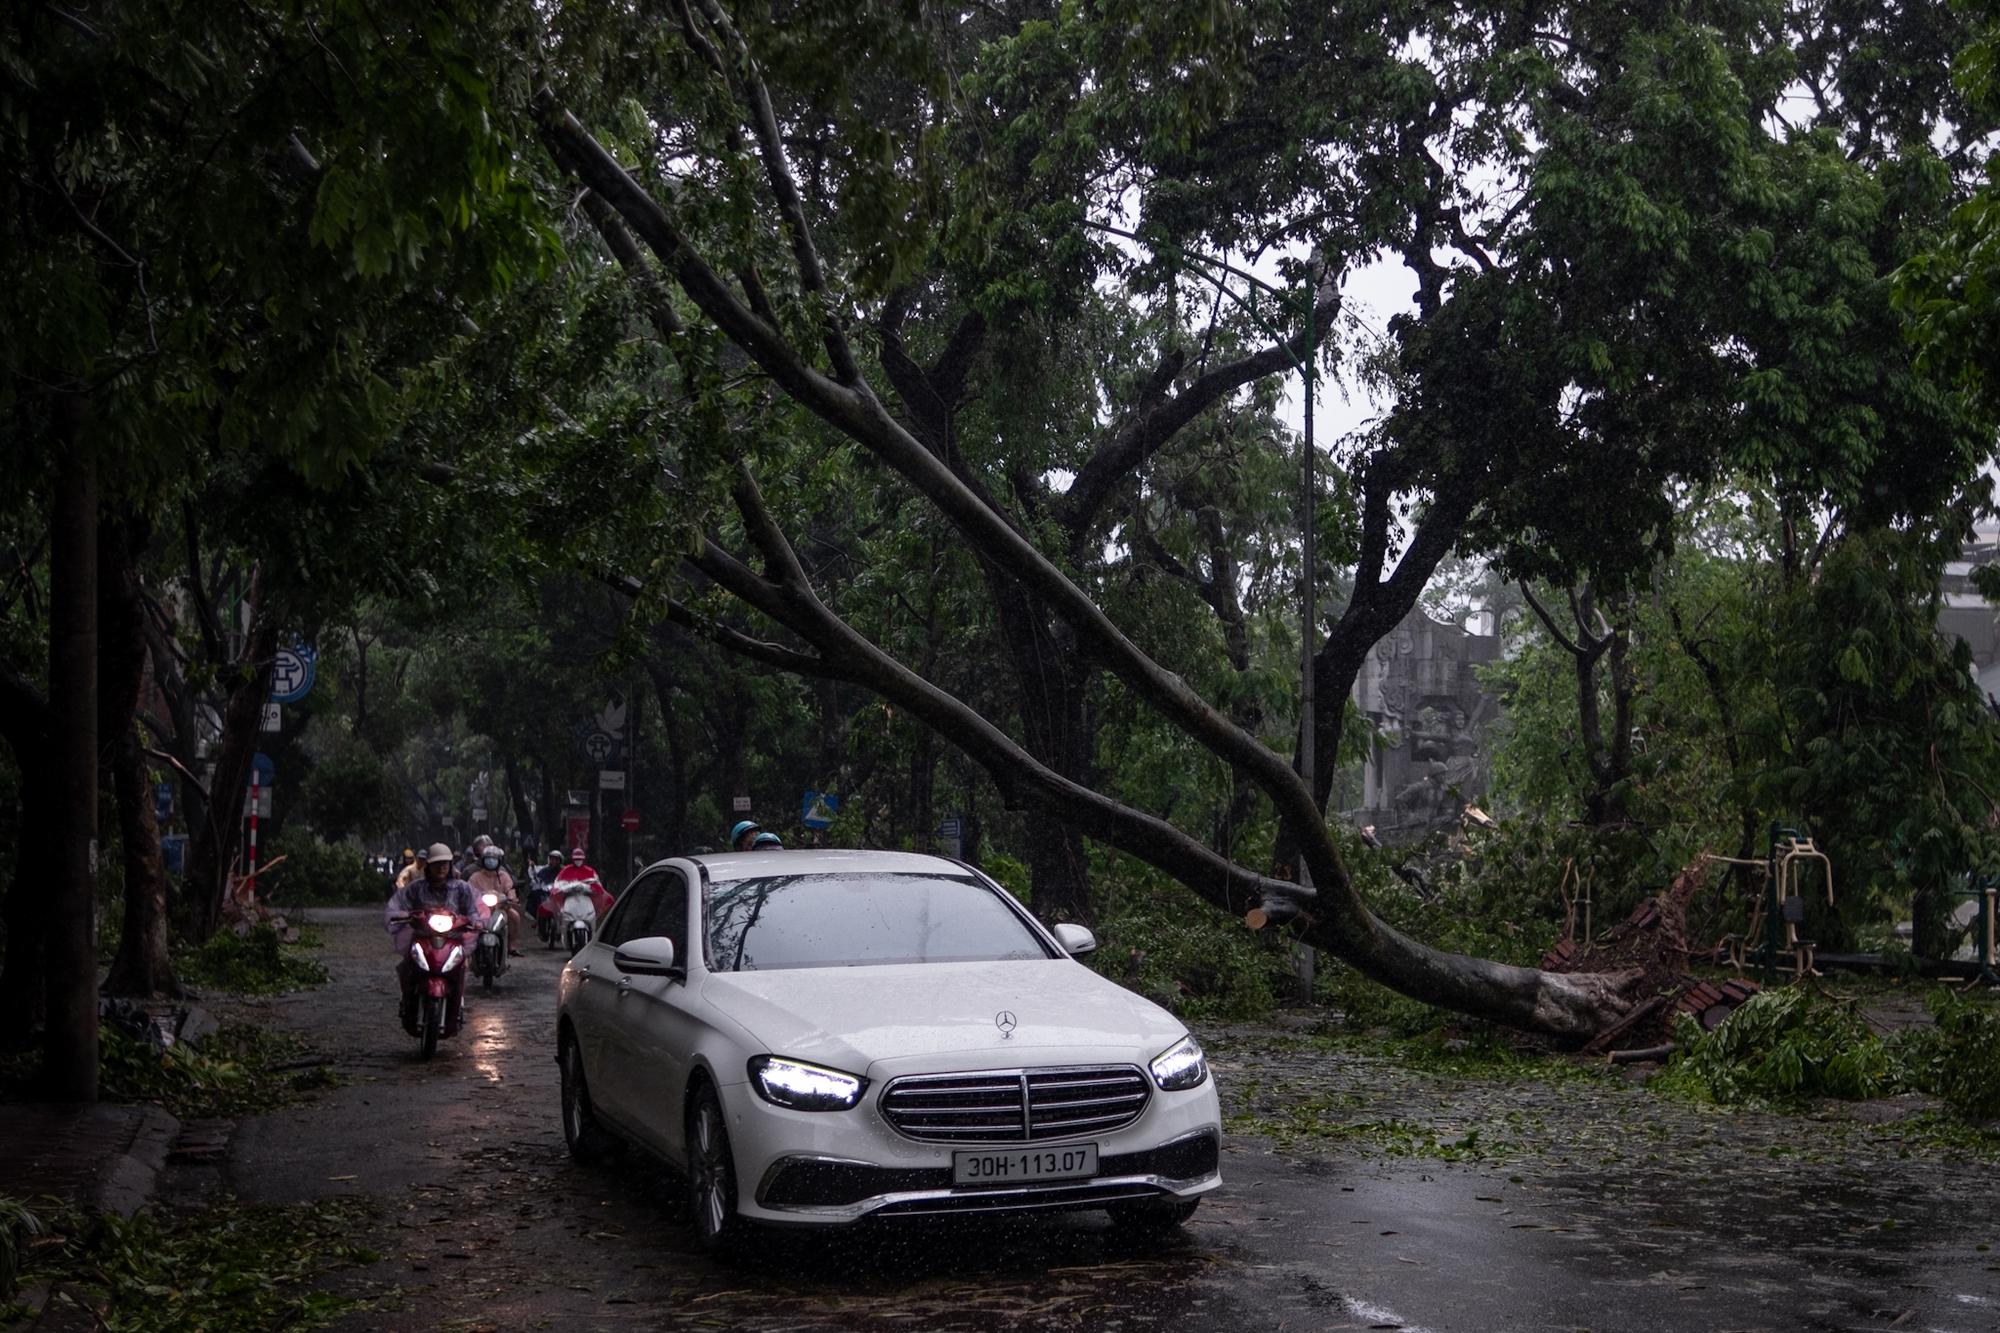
x=109 y=1157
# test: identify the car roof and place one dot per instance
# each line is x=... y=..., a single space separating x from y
x=820 y=861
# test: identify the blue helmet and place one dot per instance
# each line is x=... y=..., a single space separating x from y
x=742 y=827
x=764 y=841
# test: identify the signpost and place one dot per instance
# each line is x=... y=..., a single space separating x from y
x=741 y=805
x=611 y=779
x=273 y=718
x=951 y=837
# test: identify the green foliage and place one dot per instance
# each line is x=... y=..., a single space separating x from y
x=318 y=872
x=256 y=963
x=1784 y=1047
x=18 y=1226
x=1197 y=962
x=351 y=791
x=1959 y=1058
x=1877 y=735
x=1781 y=1047
x=238 y=1071
x=227 y=1268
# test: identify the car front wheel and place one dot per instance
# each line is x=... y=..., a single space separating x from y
x=712 y=1176
x=1154 y=1217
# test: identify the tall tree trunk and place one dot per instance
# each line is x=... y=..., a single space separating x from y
x=1053 y=680
x=249 y=685
x=142 y=966
x=24 y=721
x=69 y=1041
x=550 y=830
x=524 y=814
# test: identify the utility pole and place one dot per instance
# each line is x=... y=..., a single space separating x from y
x=1304 y=960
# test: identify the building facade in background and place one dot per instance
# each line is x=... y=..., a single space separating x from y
x=1421 y=694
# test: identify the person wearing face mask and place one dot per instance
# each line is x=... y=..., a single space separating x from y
x=469 y=862
x=490 y=876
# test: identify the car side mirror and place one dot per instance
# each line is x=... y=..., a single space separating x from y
x=1075 y=940
x=650 y=956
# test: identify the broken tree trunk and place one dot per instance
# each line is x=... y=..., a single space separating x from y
x=1330 y=916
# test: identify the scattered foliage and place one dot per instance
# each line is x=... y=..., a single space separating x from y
x=256 y=963
x=240 y=1070
x=1785 y=1047
x=1782 y=1046
x=227 y=1268
x=317 y=872
x=1958 y=1059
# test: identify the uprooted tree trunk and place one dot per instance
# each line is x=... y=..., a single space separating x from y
x=1651 y=944
x=1331 y=916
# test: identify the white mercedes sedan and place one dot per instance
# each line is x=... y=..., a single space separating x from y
x=819 y=1037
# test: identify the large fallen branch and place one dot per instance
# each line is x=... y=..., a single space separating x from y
x=1332 y=917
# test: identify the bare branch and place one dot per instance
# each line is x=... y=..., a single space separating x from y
x=1159 y=418
x=1550 y=621
x=778 y=168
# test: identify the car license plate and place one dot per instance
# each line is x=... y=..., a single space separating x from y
x=1023 y=1165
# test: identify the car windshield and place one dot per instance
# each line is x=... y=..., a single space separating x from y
x=861 y=920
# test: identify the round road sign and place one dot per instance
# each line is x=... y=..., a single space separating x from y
x=629 y=821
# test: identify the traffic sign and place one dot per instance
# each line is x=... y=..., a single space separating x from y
x=629 y=821
x=611 y=779
x=596 y=744
x=292 y=674
x=740 y=804
x=820 y=808
x=273 y=719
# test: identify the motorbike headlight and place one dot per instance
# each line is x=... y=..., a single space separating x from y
x=1181 y=1066
x=417 y=952
x=490 y=899
x=439 y=922
x=803 y=1087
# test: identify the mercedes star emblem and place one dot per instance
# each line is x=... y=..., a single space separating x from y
x=1006 y=1022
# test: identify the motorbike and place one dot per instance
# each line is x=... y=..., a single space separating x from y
x=542 y=903
x=489 y=955
x=576 y=913
x=439 y=950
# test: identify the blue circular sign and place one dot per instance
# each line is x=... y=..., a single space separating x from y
x=292 y=674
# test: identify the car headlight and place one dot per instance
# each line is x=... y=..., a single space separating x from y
x=439 y=922
x=803 y=1087
x=1181 y=1067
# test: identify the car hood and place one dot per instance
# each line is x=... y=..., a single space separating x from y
x=900 y=1018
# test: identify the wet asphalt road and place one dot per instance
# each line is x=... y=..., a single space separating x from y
x=485 y=1224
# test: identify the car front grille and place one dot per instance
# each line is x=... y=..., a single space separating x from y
x=1015 y=1105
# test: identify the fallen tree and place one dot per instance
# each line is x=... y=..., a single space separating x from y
x=1331 y=915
